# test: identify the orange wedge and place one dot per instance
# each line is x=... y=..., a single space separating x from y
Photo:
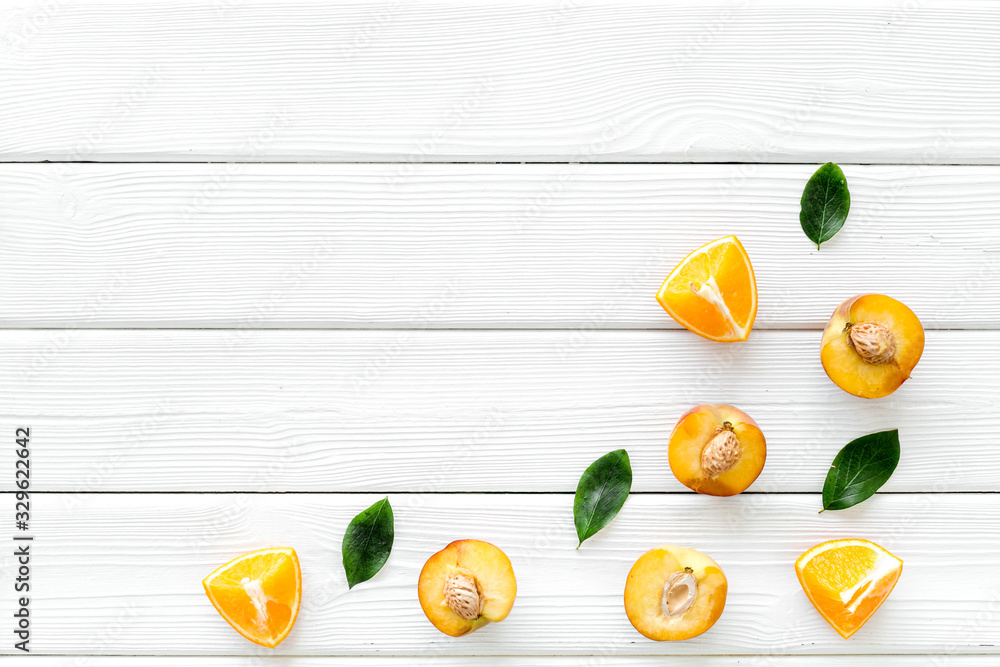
x=258 y=594
x=712 y=292
x=847 y=581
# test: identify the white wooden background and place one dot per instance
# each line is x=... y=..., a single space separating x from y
x=262 y=263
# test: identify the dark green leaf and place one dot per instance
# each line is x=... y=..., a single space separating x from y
x=825 y=203
x=368 y=542
x=860 y=469
x=602 y=491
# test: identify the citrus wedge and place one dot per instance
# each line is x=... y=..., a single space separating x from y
x=258 y=594
x=712 y=292
x=847 y=581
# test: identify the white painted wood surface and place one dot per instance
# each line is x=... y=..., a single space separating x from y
x=565 y=80
x=540 y=246
x=512 y=661
x=121 y=574
x=501 y=331
x=449 y=411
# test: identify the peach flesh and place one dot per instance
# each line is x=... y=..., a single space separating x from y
x=674 y=593
x=717 y=450
x=871 y=345
x=465 y=586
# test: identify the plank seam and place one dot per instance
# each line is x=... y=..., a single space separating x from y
x=468 y=493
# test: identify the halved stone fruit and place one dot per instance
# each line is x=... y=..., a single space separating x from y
x=713 y=292
x=466 y=585
x=717 y=450
x=258 y=594
x=847 y=581
x=871 y=345
x=674 y=593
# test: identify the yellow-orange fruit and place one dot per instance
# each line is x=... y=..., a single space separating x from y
x=258 y=594
x=717 y=450
x=871 y=345
x=847 y=581
x=674 y=593
x=466 y=585
x=713 y=292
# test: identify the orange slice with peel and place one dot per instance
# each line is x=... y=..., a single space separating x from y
x=258 y=594
x=847 y=581
x=712 y=292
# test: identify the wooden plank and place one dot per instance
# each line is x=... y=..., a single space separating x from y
x=118 y=574
x=462 y=411
x=484 y=246
x=518 y=661
x=429 y=80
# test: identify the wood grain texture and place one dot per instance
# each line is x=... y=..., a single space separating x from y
x=463 y=411
x=122 y=574
x=484 y=246
x=515 y=661
x=430 y=80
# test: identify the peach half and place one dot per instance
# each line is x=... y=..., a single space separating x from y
x=717 y=450
x=674 y=593
x=871 y=345
x=466 y=585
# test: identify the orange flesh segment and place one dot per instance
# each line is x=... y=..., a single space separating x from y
x=258 y=594
x=712 y=292
x=847 y=581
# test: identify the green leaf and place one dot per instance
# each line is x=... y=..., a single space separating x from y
x=825 y=203
x=602 y=491
x=860 y=469
x=368 y=542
